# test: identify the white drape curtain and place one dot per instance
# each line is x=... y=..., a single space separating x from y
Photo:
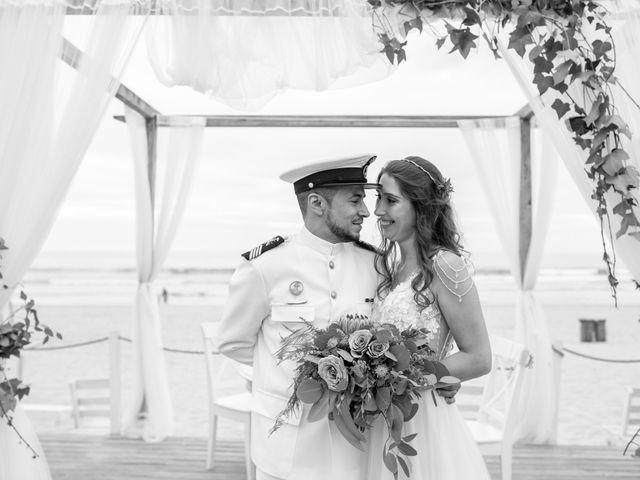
x=160 y=203
x=244 y=52
x=49 y=115
x=625 y=27
x=495 y=147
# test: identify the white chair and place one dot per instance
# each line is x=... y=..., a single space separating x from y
x=90 y=397
x=491 y=417
x=631 y=415
x=235 y=407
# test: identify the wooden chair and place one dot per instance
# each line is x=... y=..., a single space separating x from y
x=491 y=417
x=235 y=407
x=90 y=398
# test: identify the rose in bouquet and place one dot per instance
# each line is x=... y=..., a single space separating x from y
x=356 y=370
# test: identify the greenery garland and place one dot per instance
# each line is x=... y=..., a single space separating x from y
x=16 y=330
x=569 y=43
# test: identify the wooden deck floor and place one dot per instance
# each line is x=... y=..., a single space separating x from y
x=81 y=457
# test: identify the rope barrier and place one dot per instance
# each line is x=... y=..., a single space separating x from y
x=167 y=349
x=591 y=357
x=71 y=345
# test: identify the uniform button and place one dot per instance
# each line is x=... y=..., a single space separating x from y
x=334 y=295
x=331 y=264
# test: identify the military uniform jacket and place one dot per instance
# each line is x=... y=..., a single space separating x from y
x=307 y=278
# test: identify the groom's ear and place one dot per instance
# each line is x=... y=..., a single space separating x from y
x=316 y=204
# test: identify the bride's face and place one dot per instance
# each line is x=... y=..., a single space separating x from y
x=396 y=216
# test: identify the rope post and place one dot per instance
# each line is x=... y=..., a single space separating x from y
x=556 y=366
x=114 y=382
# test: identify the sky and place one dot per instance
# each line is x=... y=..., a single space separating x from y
x=237 y=200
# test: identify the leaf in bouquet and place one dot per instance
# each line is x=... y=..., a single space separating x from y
x=370 y=404
x=312 y=358
x=321 y=340
x=346 y=431
x=346 y=355
x=410 y=437
x=395 y=420
x=309 y=391
x=391 y=463
x=447 y=380
x=404 y=466
x=391 y=356
x=383 y=398
x=411 y=346
x=430 y=379
x=407 y=449
x=412 y=413
x=404 y=403
x=320 y=409
x=402 y=355
x=384 y=335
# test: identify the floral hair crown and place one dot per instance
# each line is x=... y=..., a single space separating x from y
x=444 y=188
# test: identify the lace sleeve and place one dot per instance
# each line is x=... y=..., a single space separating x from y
x=455 y=272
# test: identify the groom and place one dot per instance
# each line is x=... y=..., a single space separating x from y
x=317 y=275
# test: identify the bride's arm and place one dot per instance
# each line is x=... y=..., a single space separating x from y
x=458 y=301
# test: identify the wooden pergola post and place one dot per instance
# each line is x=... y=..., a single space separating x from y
x=526 y=202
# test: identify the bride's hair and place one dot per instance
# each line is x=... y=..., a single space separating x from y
x=423 y=184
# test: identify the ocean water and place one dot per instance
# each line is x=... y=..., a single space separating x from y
x=85 y=301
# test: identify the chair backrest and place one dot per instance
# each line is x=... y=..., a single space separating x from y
x=489 y=398
x=90 y=397
x=631 y=416
x=209 y=332
x=503 y=384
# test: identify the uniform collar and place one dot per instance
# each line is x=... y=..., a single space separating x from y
x=319 y=244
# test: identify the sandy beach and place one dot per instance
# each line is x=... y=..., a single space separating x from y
x=592 y=392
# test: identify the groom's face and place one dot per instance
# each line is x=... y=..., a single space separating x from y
x=346 y=213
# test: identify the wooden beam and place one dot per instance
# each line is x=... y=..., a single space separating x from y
x=151 y=127
x=526 y=210
x=524 y=112
x=320 y=121
x=71 y=55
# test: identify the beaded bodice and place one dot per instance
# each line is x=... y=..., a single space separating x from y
x=399 y=308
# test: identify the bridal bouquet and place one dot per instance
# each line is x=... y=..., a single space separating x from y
x=355 y=370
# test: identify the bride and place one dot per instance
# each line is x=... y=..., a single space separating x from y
x=425 y=281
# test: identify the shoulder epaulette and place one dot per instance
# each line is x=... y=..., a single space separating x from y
x=366 y=246
x=264 y=247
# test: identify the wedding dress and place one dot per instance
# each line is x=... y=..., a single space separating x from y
x=446 y=449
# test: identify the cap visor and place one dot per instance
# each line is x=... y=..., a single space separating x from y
x=364 y=185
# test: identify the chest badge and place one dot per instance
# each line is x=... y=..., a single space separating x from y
x=296 y=287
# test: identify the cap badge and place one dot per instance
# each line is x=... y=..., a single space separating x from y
x=296 y=287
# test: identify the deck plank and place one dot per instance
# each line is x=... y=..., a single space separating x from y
x=74 y=456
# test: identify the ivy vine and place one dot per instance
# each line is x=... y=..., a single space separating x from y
x=16 y=331
x=570 y=46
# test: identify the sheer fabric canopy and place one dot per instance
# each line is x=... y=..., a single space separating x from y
x=49 y=115
x=496 y=151
x=161 y=194
x=244 y=52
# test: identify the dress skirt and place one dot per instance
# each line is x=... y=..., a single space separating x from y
x=445 y=446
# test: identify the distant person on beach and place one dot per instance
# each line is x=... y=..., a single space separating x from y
x=164 y=295
x=318 y=275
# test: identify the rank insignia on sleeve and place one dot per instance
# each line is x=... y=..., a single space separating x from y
x=264 y=247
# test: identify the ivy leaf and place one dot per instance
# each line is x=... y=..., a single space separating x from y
x=560 y=107
x=614 y=162
x=623 y=182
x=628 y=220
x=543 y=82
x=562 y=71
x=391 y=464
x=519 y=38
x=462 y=40
x=600 y=48
x=411 y=24
x=542 y=65
x=471 y=17
x=405 y=467
x=594 y=113
x=577 y=125
x=401 y=55
x=440 y=42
